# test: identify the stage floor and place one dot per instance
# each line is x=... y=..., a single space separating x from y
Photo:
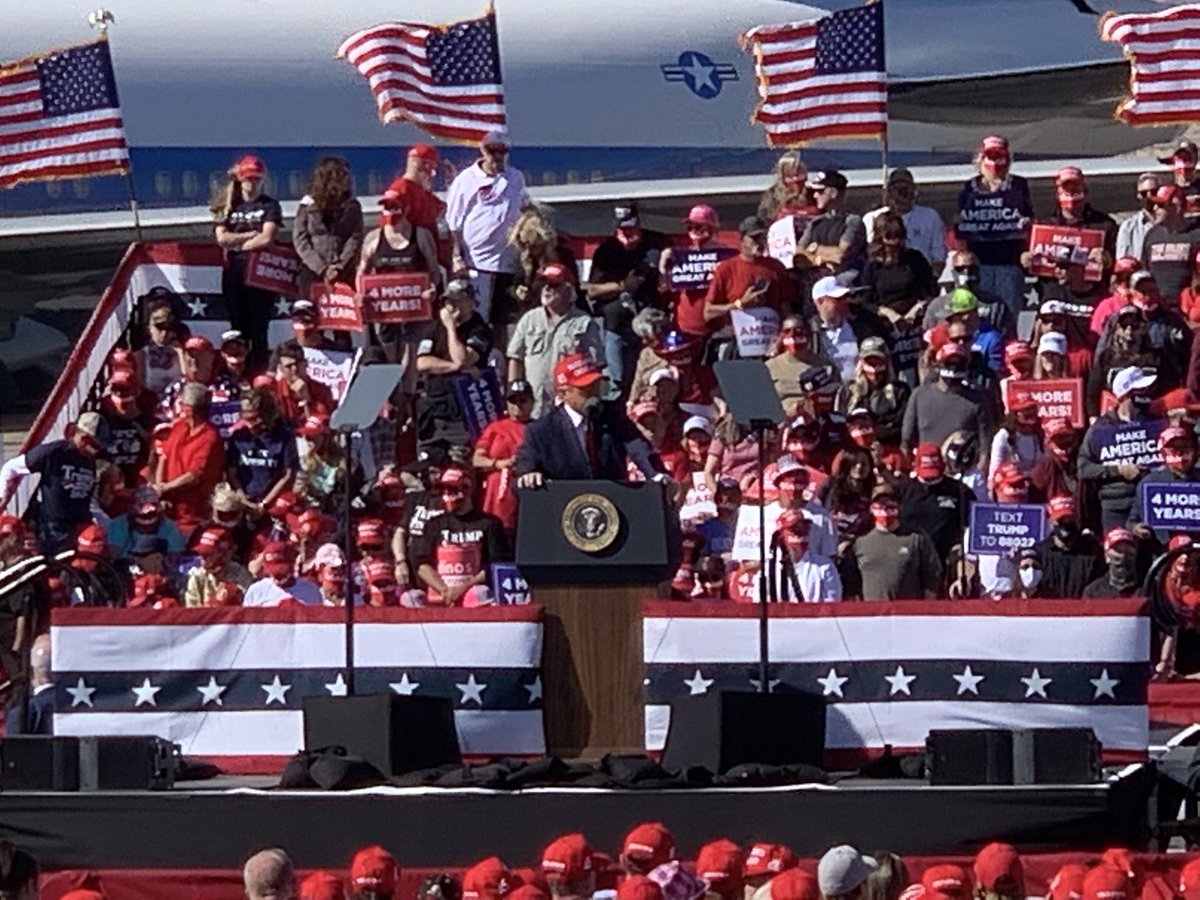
x=216 y=824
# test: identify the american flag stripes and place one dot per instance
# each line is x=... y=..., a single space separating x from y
x=60 y=117
x=891 y=672
x=1164 y=54
x=229 y=684
x=444 y=78
x=823 y=77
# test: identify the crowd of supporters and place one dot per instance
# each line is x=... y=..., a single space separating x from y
x=648 y=867
x=906 y=354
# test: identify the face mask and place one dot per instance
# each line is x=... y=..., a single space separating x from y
x=1011 y=494
x=1177 y=460
x=1072 y=201
x=1121 y=570
x=796 y=546
x=966 y=278
x=863 y=437
x=1065 y=531
x=1030 y=578
x=629 y=238
x=453 y=502
x=794 y=342
x=391 y=217
x=790 y=491
x=886 y=516
x=994 y=167
x=1184 y=167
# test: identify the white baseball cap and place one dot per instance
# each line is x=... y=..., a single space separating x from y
x=698 y=422
x=1053 y=342
x=1130 y=379
x=829 y=286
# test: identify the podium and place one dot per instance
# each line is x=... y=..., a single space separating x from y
x=591 y=552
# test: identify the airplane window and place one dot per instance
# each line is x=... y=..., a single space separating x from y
x=270 y=184
x=216 y=181
x=190 y=184
x=54 y=189
x=572 y=176
x=549 y=178
x=81 y=187
x=374 y=183
x=296 y=185
x=597 y=175
x=162 y=184
x=354 y=184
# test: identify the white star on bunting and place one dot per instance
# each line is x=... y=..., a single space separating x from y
x=211 y=692
x=472 y=690
x=1036 y=684
x=145 y=693
x=198 y=307
x=404 y=687
x=698 y=684
x=1104 y=685
x=338 y=687
x=832 y=683
x=900 y=682
x=81 y=694
x=968 y=681
x=276 y=691
x=535 y=690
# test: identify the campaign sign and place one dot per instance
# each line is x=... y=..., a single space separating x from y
x=755 y=329
x=337 y=307
x=480 y=400
x=691 y=269
x=1135 y=444
x=1045 y=242
x=746 y=533
x=223 y=415
x=330 y=367
x=699 y=503
x=508 y=587
x=1057 y=398
x=395 y=297
x=274 y=268
x=1002 y=527
x=1171 y=506
x=990 y=216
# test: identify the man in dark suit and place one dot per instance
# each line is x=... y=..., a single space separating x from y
x=39 y=716
x=582 y=436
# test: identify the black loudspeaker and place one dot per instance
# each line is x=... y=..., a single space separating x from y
x=40 y=764
x=1029 y=756
x=723 y=729
x=87 y=764
x=394 y=734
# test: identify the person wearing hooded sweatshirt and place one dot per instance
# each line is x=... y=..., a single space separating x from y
x=1117 y=478
x=1071 y=555
x=876 y=389
x=1122 y=578
x=933 y=503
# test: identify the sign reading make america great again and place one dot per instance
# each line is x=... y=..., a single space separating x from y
x=992 y=216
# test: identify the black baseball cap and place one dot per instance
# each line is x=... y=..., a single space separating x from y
x=752 y=226
x=626 y=215
x=830 y=178
x=518 y=388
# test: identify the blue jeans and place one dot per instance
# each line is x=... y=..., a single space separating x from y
x=620 y=362
x=1007 y=283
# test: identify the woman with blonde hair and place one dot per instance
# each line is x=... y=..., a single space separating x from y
x=246 y=220
x=786 y=195
x=536 y=242
x=329 y=226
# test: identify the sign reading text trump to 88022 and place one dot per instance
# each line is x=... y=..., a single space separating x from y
x=1005 y=527
x=1171 y=506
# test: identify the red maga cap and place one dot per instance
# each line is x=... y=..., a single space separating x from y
x=998 y=868
x=555 y=273
x=650 y=843
x=1067 y=883
x=370 y=532
x=994 y=143
x=1061 y=507
x=769 y=859
x=576 y=370
x=250 y=166
x=489 y=879
x=638 y=887
x=1118 y=536
x=720 y=862
x=1106 y=883
x=946 y=882
x=928 y=462
x=795 y=884
x=427 y=152
x=322 y=886
x=569 y=858
x=374 y=869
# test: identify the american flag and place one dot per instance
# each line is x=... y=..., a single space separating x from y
x=823 y=77
x=229 y=684
x=1165 y=62
x=891 y=672
x=443 y=78
x=60 y=117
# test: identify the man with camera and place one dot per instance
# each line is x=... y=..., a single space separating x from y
x=460 y=344
x=624 y=281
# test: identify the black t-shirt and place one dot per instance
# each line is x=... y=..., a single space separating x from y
x=1102 y=588
x=68 y=477
x=420 y=507
x=613 y=262
x=480 y=531
x=939 y=509
x=250 y=216
x=474 y=333
x=128 y=443
x=1168 y=257
x=899 y=285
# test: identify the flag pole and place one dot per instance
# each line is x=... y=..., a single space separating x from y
x=883 y=153
x=100 y=20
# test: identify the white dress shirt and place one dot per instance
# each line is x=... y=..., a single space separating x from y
x=483 y=208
